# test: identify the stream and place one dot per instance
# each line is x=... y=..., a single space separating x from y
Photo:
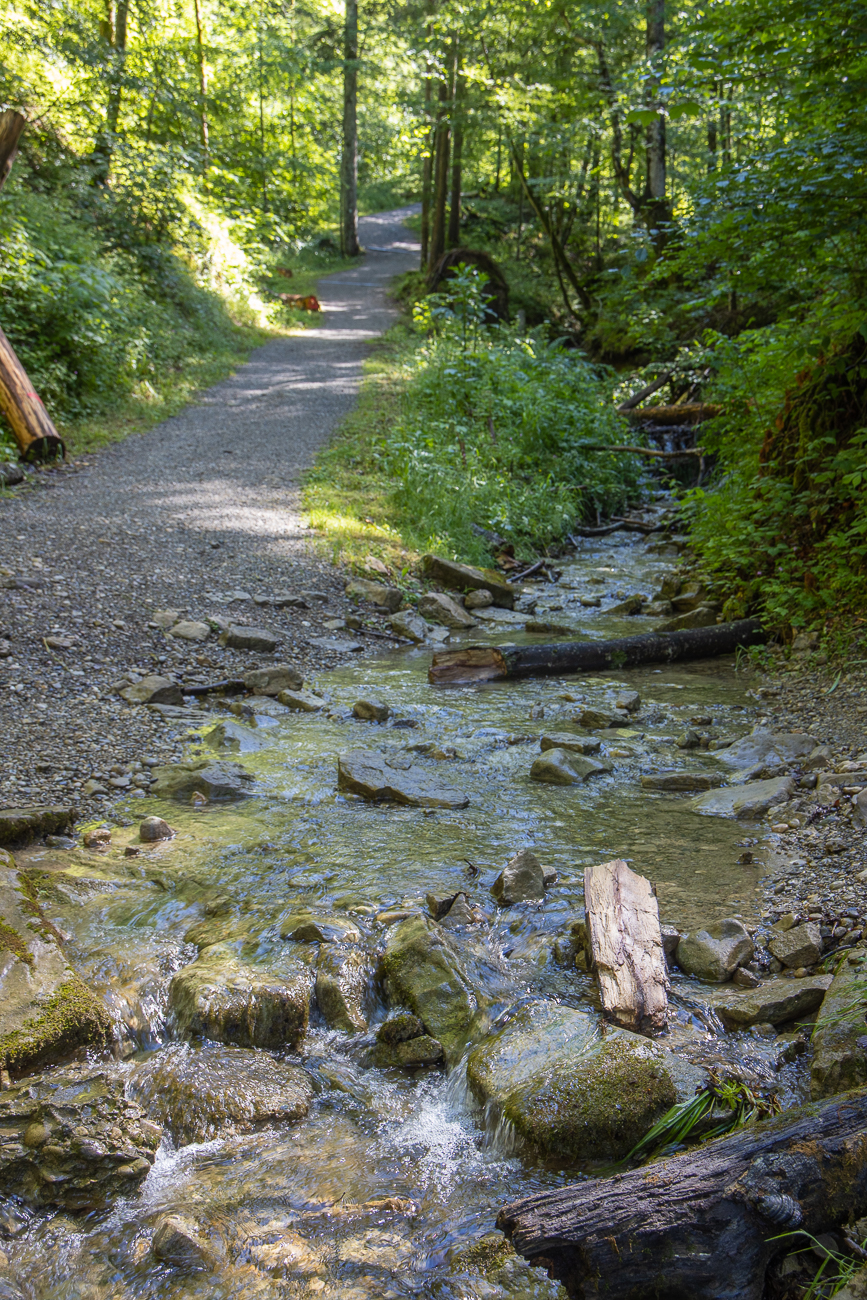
x=287 y=1208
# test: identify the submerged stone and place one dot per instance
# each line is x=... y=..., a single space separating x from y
x=566 y=740
x=217 y=997
x=364 y=772
x=422 y=971
x=218 y=782
x=233 y=736
x=521 y=880
x=343 y=988
x=745 y=802
x=565 y=767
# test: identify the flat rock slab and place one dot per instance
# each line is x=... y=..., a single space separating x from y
x=364 y=772
x=677 y=781
x=745 y=802
x=218 y=782
x=465 y=577
x=566 y=740
x=773 y=1002
x=273 y=679
x=249 y=638
x=769 y=748
x=337 y=645
x=20 y=826
x=201 y=1092
x=566 y=767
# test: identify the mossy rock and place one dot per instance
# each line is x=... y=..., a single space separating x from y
x=422 y=971
x=571 y=1094
x=840 y=1036
x=220 y=998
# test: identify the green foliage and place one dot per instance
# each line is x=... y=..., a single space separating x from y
x=720 y=1107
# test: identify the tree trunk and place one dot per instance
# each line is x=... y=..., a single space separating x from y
x=115 y=94
x=441 y=179
x=31 y=424
x=427 y=172
x=454 y=231
x=624 y=946
x=658 y=214
x=701 y=1225
x=11 y=126
x=203 y=84
x=350 y=131
x=487 y=663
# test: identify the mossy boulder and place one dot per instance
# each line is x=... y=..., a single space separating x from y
x=46 y=1010
x=19 y=826
x=571 y=1093
x=839 y=1038
x=344 y=980
x=220 y=998
x=422 y=971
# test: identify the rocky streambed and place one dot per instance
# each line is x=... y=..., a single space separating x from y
x=323 y=981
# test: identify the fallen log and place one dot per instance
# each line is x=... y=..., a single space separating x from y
x=649 y=389
x=653 y=452
x=621 y=525
x=477 y=663
x=624 y=946
x=701 y=1225
x=686 y=413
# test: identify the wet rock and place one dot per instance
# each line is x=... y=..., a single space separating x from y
x=46 y=1010
x=628 y=700
x=408 y=624
x=437 y=608
x=799 y=946
x=304 y=927
x=301 y=701
x=521 y=880
x=681 y=781
x=839 y=1040
x=745 y=802
x=218 y=782
x=343 y=980
x=201 y=1092
x=382 y=597
x=691 y=595
x=21 y=826
x=189 y=630
x=257 y=706
x=422 y=971
x=461 y=913
x=766 y=748
x=565 y=740
x=371 y=711
x=688 y=740
x=464 y=577
x=219 y=998
x=704 y=616
x=97 y=838
x=481 y=599
x=153 y=689
x=571 y=1094
x=671 y=937
x=714 y=954
x=544 y=627
x=410 y=1053
x=10 y=474
x=177 y=1241
x=368 y=774
x=399 y=1028
x=774 y=1002
x=631 y=606
x=274 y=679
x=234 y=737
x=71 y=1138
x=153 y=829
x=599 y=719
x=249 y=638
x=746 y=979
x=164 y=618
x=439 y=905
x=565 y=767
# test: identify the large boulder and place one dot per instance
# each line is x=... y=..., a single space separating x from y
x=71 y=1138
x=20 y=826
x=745 y=802
x=565 y=767
x=772 y=1003
x=570 y=1093
x=202 y=1092
x=766 y=748
x=839 y=1039
x=218 y=782
x=801 y=945
x=219 y=998
x=46 y=1011
x=714 y=953
x=366 y=773
x=437 y=608
x=343 y=988
x=464 y=577
x=422 y=971
x=521 y=880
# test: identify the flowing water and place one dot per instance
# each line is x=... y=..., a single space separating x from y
x=287 y=1209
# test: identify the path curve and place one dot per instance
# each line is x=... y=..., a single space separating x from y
x=207 y=501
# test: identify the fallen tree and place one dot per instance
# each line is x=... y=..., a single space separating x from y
x=624 y=946
x=701 y=1225
x=487 y=663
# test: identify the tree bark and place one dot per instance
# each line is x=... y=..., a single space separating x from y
x=203 y=84
x=112 y=116
x=624 y=946
x=31 y=424
x=701 y=1225
x=487 y=663
x=656 y=200
x=427 y=172
x=350 y=131
x=11 y=126
x=441 y=178
x=454 y=231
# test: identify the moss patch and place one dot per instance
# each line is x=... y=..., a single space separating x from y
x=72 y=1017
x=11 y=941
x=485 y=1257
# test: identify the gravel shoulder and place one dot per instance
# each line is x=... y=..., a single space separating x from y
x=202 y=516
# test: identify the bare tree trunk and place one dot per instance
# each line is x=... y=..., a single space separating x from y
x=350 y=131
x=656 y=199
x=441 y=178
x=11 y=126
x=203 y=84
x=116 y=92
x=427 y=171
x=454 y=232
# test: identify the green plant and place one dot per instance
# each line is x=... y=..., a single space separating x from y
x=835 y=1270
x=688 y=1120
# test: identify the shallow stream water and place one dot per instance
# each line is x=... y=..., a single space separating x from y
x=284 y=1208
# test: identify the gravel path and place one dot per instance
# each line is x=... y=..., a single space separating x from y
x=204 y=505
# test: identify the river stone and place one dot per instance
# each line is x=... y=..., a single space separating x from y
x=422 y=971
x=256 y=706
x=304 y=927
x=190 y=630
x=10 y=474
x=386 y=598
x=203 y=1092
x=301 y=701
x=233 y=736
x=704 y=616
x=217 y=997
x=153 y=829
x=20 y=826
x=399 y=1028
x=565 y=767
x=71 y=1138
x=46 y=1011
x=801 y=945
x=681 y=781
x=774 y=1002
x=465 y=577
x=371 y=711
x=598 y=719
x=164 y=618
x=437 y=608
x=482 y=598
x=153 y=689
x=408 y=624
x=766 y=748
x=628 y=700
x=839 y=1040
x=745 y=802
x=714 y=954
x=273 y=679
x=363 y=772
x=632 y=605
x=520 y=881
x=343 y=981
x=571 y=1094
x=259 y=639
x=177 y=1241
x=410 y=1053
x=565 y=740
x=216 y=781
